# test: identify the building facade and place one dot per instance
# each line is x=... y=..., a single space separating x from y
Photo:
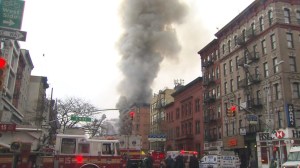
x=184 y=118
x=140 y=123
x=258 y=61
x=158 y=119
x=212 y=104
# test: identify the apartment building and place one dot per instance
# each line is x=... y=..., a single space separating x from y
x=158 y=118
x=185 y=118
x=212 y=104
x=258 y=61
x=140 y=122
x=19 y=64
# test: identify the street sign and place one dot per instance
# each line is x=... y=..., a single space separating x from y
x=7 y=127
x=253 y=119
x=76 y=118
x=13 y=34
x=11 y=13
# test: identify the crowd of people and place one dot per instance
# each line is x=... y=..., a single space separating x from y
x=169 y=162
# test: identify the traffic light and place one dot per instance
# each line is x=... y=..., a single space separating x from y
x=131 y=113
x=2 y=71
x=233 y=110
x=229 y=114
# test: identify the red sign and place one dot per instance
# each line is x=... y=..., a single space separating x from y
x=232 y=142
x=7 y=127
x=279 y=134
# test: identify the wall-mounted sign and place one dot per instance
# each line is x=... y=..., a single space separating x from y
x=290 y=115
x=232 y=142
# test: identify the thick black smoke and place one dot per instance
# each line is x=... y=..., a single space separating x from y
x=147 y=39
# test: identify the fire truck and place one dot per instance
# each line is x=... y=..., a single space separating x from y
x=71 y=151
x=131 y=146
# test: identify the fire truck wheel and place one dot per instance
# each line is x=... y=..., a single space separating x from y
x=89 y=166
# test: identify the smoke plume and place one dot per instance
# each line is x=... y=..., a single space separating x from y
x=148 y=38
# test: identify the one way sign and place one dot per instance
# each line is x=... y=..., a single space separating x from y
x=13 y=34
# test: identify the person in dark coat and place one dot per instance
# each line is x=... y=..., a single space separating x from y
x=194 y=163
x=179 y=163
x=129 y=162
x=169 y=162
x=148 y=162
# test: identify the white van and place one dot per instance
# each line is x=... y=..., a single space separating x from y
x=293 y=160
x=225 y=159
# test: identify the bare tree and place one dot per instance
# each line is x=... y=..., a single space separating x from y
x=96 y=128
x=73 y=106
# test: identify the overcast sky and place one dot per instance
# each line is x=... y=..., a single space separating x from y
x=73 y=44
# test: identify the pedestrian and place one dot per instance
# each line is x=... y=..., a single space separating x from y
x=179 y=163
x=169 y=162
x=148 y=161
x=128 y=162
x=252 y=163
x=194 y=163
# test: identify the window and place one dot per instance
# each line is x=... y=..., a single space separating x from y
x=287 y=16
x=230 y=66
x=292 y=62
x=220 y=133
x=197 y=129
x=68 y=146
x=197 y=105
x=223 y=49
x=219 y=111
x=275 y=65
x=235 y=40
x=225 y=87
x=296 y=90
x=270 y=16
x=266 y=69
x=253 y=28
x=177 y=113
x=255 y=53
x=261 y=24
x=83 y=148
x=218 y=91
x=217 y=72
x=277 y=91
x=229 y=46
x=244 y=35
x=236 y=62
x=264 y=47
x=224 y=69
x=289 y=38
x=273 y=42
x=231 y=85
x=238 y=78
x=298 y=16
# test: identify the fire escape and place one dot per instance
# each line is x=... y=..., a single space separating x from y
x=252 y=75
x=160 y=105
x=211 y=119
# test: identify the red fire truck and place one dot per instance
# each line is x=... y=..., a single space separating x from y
x=77 y=151
x=71 y=151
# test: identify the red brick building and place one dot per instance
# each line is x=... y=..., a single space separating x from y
x=184 y=118
x=141 y=123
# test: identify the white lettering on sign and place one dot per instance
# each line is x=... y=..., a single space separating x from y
x=291 y=114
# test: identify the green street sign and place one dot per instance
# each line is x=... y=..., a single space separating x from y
x=11 y=13
x=85 y=119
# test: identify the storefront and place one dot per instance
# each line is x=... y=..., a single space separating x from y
x=275 y=145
